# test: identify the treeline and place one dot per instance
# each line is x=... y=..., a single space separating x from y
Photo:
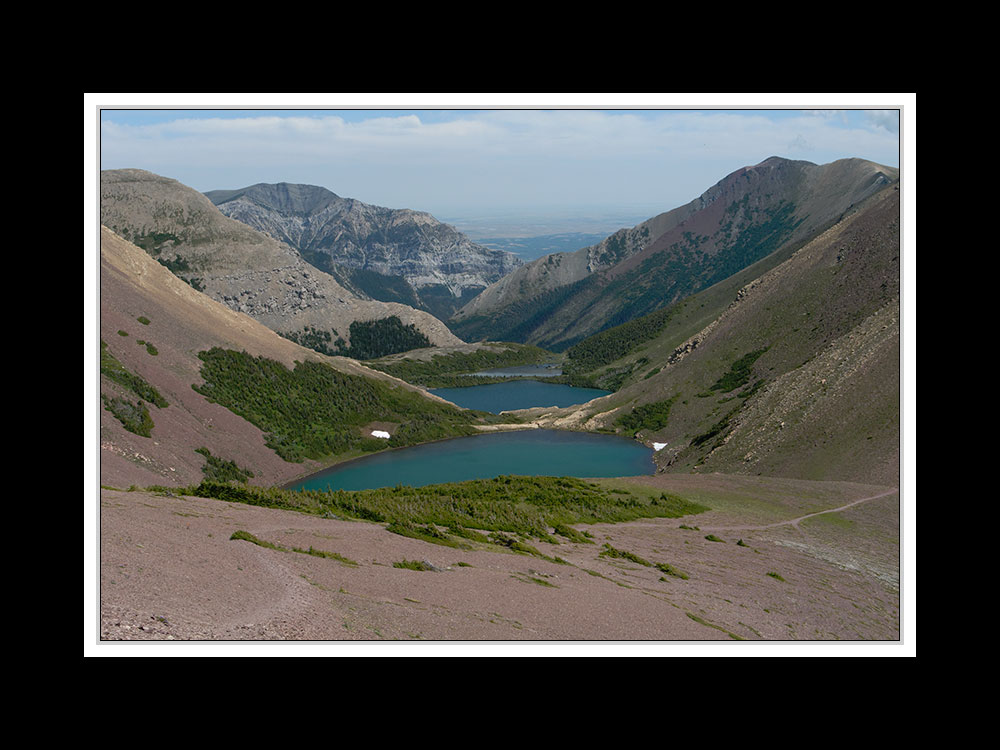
x=652 y=416
x=380 y=338
x=614 y=343
x=529 y=507
x=369 y=339
x=220 y=470
x=440 y=370
x=314 y=411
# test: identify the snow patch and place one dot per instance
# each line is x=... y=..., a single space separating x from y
x=659 y=446
x=381 y=434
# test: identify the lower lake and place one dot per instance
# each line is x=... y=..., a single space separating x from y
x=522 y=452
x=517 y=394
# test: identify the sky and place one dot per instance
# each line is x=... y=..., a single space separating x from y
x=638 y=153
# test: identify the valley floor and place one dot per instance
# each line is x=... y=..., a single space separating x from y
x=773 y=560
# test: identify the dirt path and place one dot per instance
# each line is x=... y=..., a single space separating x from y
x=796 y=521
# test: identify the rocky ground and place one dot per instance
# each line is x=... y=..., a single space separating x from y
x=797 y=562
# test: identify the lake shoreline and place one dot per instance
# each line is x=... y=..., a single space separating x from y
x=569 y=452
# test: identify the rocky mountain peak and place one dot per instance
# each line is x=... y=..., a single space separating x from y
x=387 y=254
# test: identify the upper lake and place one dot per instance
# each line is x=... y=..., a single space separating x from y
x=521 y=452
x=517 y=394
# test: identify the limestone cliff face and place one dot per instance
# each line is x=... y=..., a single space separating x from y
x=245 y=269
x=343 y=235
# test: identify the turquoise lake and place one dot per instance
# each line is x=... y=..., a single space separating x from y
x=517 y=394
x=522 y=452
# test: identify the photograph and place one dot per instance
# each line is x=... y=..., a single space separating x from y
x=499 y=374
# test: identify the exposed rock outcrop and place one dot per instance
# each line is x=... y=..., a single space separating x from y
x=244 y=269
x=344 y=236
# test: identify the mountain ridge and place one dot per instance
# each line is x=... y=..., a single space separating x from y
x=388 y=254
x=156 y=326
x=244 y=269
x=739 y=220
x=794 y=372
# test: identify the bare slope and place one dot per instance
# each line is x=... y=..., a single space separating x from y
x=238 y=266
x=799 y=375
x=180 y=322
x=562 y=298
x=170 y=569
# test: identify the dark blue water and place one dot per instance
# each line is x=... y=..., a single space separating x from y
x=524 y=452
x=517 y=394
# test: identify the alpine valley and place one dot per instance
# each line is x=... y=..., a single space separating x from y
x=750 y=339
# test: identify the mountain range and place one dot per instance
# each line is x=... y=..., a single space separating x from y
x=165 y=408
x=244 y=269
x=387 y=254
x=789 y=368
x=751 y=338
x=562 y=298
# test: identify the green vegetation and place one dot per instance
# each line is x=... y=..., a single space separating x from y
x=719 y=428
x=570 y=533
x=149 y=347
x=122 y=333
x=714 y=538
x=670 y=570
x=427 y=533
x=442 y=370
x=739 y=372
x=315 y=339
x=219 y=470
x=707 y=624
x=517 y=320
x=369 y=339
x=115 y=371
x=511 y=508
x=175 y=265
x=378 y=338
x=133 y=416
x=143 y=319
x=650 y=417
x=154 y=242
x=777 y=576
x=614 y=343
x=314 y=411
x=621 y=554
x=533 y=579
x=413 y=565
x=246 y=536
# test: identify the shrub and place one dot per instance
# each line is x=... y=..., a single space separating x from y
x=133 y=416
x=219 y=470
x=115 y=371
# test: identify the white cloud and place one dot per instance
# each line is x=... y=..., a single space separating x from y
x=884 y=118
x=488 y=157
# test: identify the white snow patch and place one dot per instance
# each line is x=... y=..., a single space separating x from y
x=659 y=446
x=381 y=434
